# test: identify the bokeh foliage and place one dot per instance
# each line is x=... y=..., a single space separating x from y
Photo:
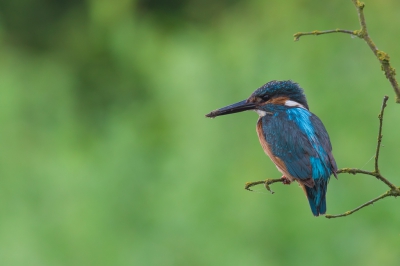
x=107 y=159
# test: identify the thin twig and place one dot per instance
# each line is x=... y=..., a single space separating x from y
x=360 y=207
x=266 y=183
x=383 y=57
x=376 y=172
x=378 y=146
x=394 y=191
x=354 y=171
x=318 y=32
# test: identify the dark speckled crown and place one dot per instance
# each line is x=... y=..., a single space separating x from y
x=285 y=88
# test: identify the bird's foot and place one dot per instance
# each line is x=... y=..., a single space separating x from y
x=285 y=180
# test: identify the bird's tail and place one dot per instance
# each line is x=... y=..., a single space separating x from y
x=317 y=197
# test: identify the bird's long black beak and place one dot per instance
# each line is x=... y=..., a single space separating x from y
x=233 y=108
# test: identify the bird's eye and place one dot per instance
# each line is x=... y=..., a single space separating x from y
x=265 y=97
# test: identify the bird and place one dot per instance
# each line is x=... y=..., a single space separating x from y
x=295 y=139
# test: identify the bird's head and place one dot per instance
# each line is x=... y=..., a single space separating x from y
x=285 y=93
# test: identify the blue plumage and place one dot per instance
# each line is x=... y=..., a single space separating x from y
x=299 y=139
x=294 y=138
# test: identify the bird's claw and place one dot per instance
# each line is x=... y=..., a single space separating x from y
x=286 y=180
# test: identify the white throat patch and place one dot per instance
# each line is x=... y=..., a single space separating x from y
x=294 y=104
x=261 y=112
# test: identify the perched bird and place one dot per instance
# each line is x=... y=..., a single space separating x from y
x=294 y=138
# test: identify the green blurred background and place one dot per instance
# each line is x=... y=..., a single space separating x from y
x=107 y=158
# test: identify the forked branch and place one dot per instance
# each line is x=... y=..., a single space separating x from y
x=266 y=183
x=393 y=190
x=362 y=33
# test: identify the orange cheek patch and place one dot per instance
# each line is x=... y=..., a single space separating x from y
x=279 y=100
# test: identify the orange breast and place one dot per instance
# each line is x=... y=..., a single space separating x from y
x=276 y=160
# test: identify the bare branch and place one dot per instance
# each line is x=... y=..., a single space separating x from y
x=378 y=147
x=394 y=191
x=317 y=32
x=383 y=57
x=360 y=207
x=266 y=183
x=376 y=172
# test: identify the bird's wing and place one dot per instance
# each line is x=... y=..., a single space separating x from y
x=299 y=139
x=323 y=137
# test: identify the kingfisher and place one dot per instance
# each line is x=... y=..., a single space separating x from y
x=295 y=139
